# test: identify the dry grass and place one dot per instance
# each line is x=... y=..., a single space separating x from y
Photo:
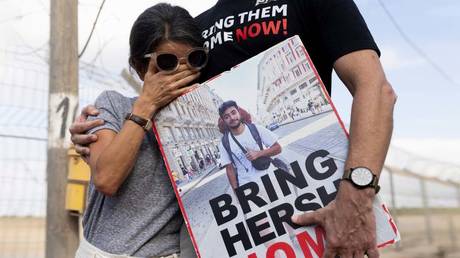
x=25 y=237
x=415 y=244
x=22 y=237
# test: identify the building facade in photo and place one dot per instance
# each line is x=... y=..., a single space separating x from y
x=286 y=83
x=189 y=132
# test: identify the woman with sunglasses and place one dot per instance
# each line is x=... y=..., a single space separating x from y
x=132 y=210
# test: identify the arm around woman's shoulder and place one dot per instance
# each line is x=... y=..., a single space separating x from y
x=111 y=105
x=114 y=153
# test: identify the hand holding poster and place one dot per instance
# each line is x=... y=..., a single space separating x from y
x=252 y=147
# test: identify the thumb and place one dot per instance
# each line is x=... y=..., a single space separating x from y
x=89 y=110
x=307 y=218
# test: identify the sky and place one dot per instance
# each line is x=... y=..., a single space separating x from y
x=229 y=86
x=426 y=120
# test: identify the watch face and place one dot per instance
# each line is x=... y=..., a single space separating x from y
x=361 y=176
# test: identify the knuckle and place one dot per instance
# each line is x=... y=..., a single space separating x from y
x=368 y=245
x=91 y=123
x=78 y=128
x=96 y=122
x=371 y=243
x=161 y=86
x=319 y=217
x=364 y=245
x=357 y=247
x=79 y=149
x=169 y=81
x=334 y=242
x=186 y=73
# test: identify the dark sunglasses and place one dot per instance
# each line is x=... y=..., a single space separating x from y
x=196 y=59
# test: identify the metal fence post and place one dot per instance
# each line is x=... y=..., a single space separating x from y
x=458 y=195
x=452 y=232
x=427 y=212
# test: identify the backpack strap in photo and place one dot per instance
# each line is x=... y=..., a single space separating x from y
x=255 y=134
x=239 y=144
x=226 y=144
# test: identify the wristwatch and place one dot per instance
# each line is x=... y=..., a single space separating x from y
x=362 y=177
x=146 y=124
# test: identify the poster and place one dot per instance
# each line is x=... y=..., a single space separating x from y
x=280 y=109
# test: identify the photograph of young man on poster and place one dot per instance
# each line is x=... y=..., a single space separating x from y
x=247 y=149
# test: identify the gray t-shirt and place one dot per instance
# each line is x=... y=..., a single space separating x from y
x=142 y=219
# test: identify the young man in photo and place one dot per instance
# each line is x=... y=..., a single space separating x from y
x=239 y=148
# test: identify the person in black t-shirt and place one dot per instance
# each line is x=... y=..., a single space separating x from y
x=336 y=37
x=236 y=30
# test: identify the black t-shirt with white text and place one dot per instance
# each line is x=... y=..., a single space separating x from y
x=236 y=30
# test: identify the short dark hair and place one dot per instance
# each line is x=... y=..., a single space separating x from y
x=157 y=24
x=226 y=105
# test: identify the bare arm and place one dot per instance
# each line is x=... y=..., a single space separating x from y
x=231 y=174
x=275 y=149
x=113 y=155
x=349 y=220
x=372 y=110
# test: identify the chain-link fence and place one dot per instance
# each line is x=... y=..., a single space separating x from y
x=424 y=197
x=23 y=138
x=23 y=141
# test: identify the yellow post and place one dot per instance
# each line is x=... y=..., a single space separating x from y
x=77 y=183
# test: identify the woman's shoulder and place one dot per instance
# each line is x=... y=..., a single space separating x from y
x=113 y=100
x=112 y=106
x=111 y=95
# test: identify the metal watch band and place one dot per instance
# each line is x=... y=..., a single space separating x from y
x=142 y=122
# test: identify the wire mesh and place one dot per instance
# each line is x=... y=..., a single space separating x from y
x=23 y=141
